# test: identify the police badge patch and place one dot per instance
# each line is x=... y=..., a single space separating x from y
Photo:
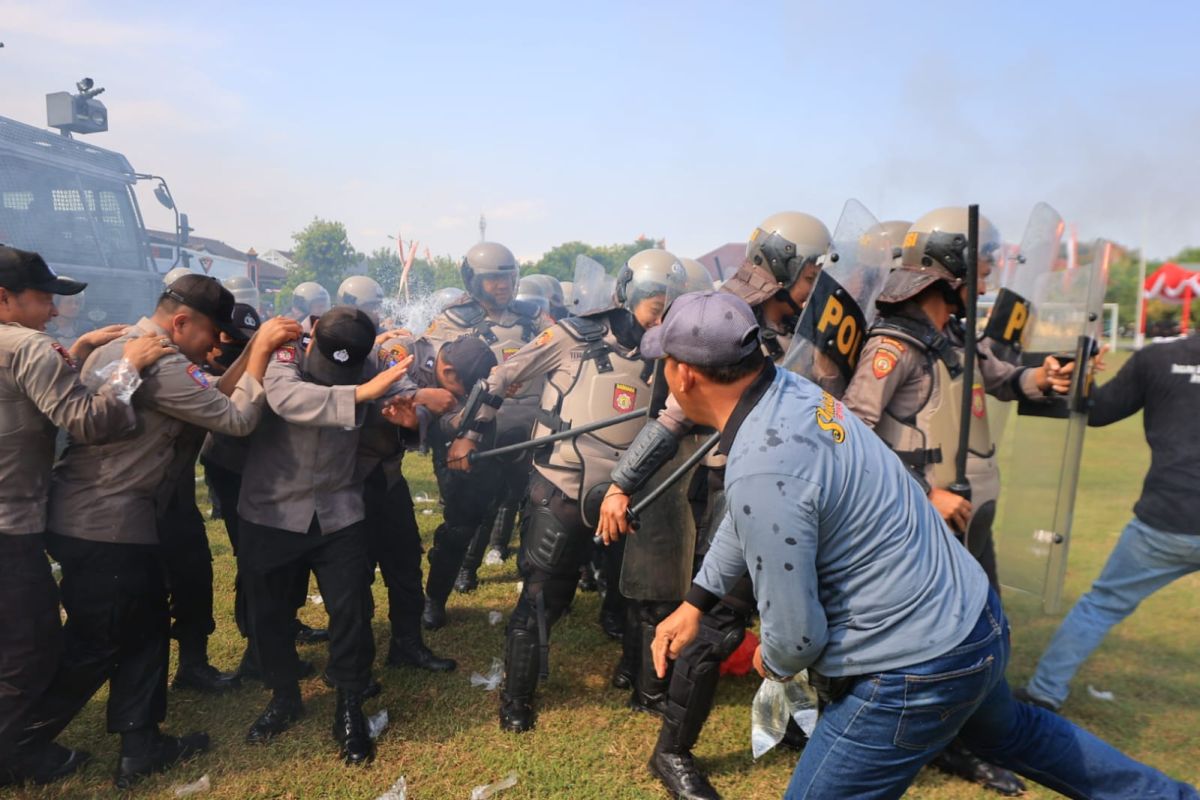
x=978 y=401
x=286 y=355
x=883 y=363
x=199 y=376
x=624 y=397
x=509 y=352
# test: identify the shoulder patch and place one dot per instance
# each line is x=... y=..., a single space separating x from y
x=286 y=354
x=543 y=337
x=199 y=376
x=392 y=353
x=896 y=343
x=62 y=351
x=883 y=362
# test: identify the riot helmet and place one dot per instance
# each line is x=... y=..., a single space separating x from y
x=787 y=242
x=310 y=299
x=699 y=279
x=554 y=293
x=891 y=234
x=534 y=292
x=444 y=298
x=363 y=293
x=242 y=289
x=935 y=250
x=175 y=275
x=489 y=261
x=652 y=275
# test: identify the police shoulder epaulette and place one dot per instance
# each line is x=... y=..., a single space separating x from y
x=468 y=314
x=524 y=308
x=584 y=329
x=906 y=330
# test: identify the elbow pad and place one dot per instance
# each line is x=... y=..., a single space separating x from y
x=654 y=446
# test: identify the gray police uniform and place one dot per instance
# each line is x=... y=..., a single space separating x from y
x=301 y=507
x=40 y=391
x=104 y=505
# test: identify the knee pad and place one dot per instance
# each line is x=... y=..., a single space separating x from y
x=548 y=544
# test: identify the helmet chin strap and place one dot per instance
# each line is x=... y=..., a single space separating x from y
x=789 y=322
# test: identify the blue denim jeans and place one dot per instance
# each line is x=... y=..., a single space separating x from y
x=1144 y=560
x=872 y=742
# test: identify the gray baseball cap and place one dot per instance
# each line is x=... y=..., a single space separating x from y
x=705 y=329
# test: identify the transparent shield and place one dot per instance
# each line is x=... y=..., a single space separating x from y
x=1020 y=276
x=593 y=286
x=841 y=308
x=1042 y=444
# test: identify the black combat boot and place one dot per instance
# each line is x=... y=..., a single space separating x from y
x=306 y=634
x=43 y=764
x=467 y=581
x=197 y=674
x=434 y=615
x=284 y=709
x=517 y=714
x=350 y=728
x=146 y=752
x=411 y=651
x=956 y=759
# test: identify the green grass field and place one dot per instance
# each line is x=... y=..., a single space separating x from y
x=444 y=738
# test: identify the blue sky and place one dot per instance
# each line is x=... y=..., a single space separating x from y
x=690 y=121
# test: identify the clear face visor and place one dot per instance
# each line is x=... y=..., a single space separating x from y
x=782 y=257
x=656 y=291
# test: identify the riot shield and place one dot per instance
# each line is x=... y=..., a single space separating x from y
x=593 y=286
x=658 y=556
x=834 y=322
x=1013 y=316
x=1042 y=445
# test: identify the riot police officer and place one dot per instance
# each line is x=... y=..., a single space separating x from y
x=243 y=290
x=552 y=288
x=593 y=370
x=908 y=387
x=364 y=293
x=472 y=501
x=783 y=256
x=309 y=299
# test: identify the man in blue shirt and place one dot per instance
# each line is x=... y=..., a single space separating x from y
x=858 y=580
